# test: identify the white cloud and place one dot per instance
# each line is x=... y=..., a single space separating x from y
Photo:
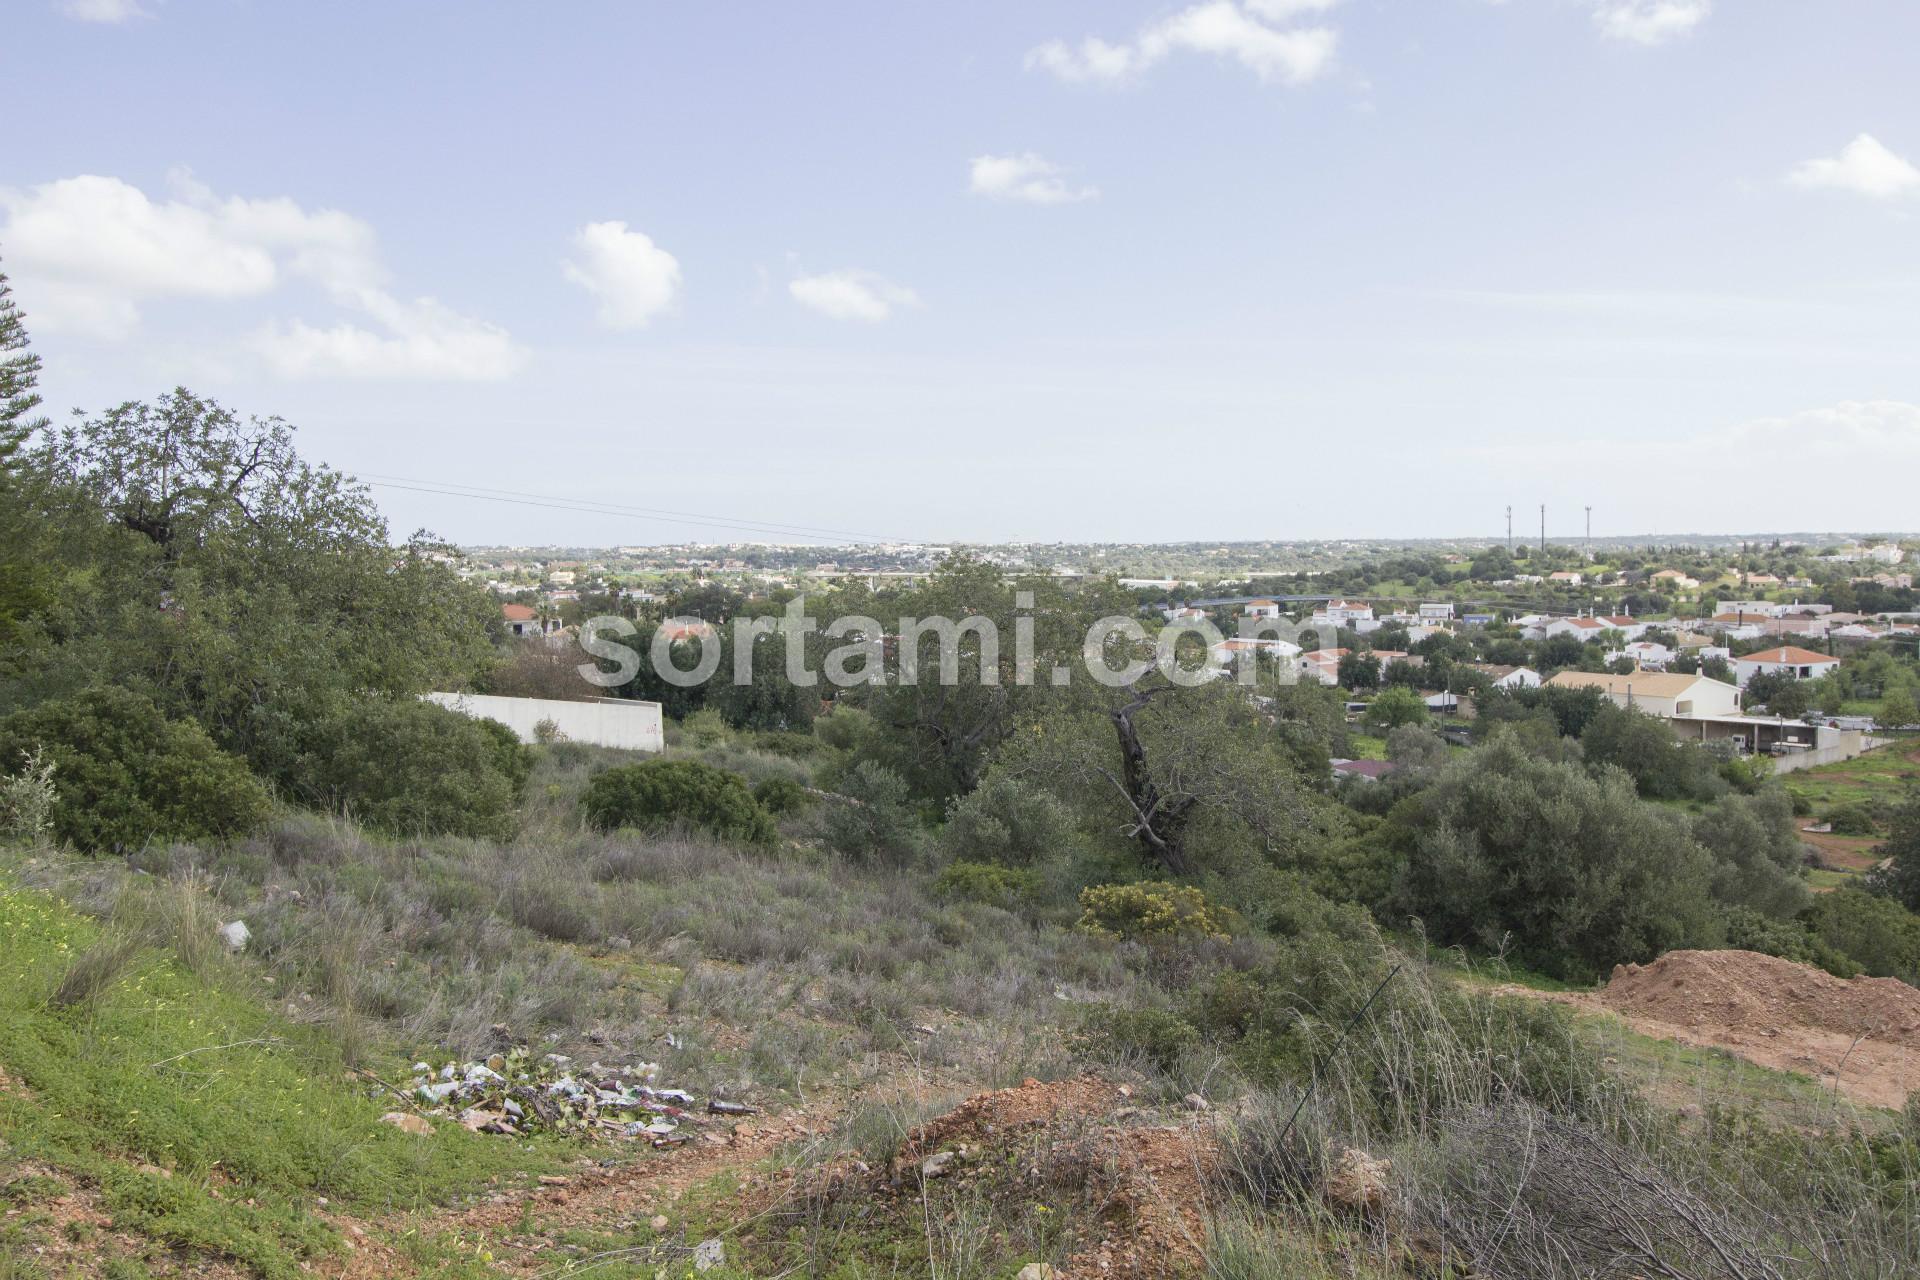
x=91 y=250
x=1253 y=34
x=1826 y=446
x=1863 y=166
x=104 y=10
x=1027 y=177
x=1887 y=431
x=1282 y=10
x=1650 y=21
x=851 y=295
x=634 y=278
x=422 y=339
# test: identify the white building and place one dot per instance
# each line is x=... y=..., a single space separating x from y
x=1752 y=608
x=1645 y=654
x=1322 y=665
x=1436 y=613
x=1626 y=624
x=1582 y=629
x=1788 y=660
x=1669 y=695
x=1509 y=677
x=1342 y=613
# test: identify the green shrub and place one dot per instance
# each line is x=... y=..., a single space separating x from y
x=1851 y=820
x=880 y=824
x=659 y=793
x=705 y=728
x=1878 y=934
x=1566 y=867
x=28 y=797
x=1150 y=910
x=989 y=882
x=785 y=742
x=1749 y=930
x=126 y=776
x=413 y=768
x=781 y=796
x=1114 y=1031
x=1008 y=820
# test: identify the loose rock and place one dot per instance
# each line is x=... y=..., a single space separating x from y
x=408 y=1123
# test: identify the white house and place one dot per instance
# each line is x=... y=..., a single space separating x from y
x=1669 y=695
x=1579 y=628
x=1342 y=613
x=1752 y=608
x=1728 y=627
x=1509 y=677
x=1788 y=660
x=1228 y=653
x=523 y=620
x=1645 y=654
x=1436 y=613
x=1261 y=609
x=1626 y=624
x=1322 y=665
x=1676 y=580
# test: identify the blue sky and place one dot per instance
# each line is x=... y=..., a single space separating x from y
x=1131 y=271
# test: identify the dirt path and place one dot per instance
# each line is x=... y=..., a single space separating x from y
x=592 y=1196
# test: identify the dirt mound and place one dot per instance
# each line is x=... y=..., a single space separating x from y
x=1143 y=1181
x=991 y=1117
x=1749 y=992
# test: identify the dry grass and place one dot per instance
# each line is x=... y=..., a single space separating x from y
x=735 y=969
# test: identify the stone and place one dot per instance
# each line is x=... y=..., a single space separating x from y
x=1035 y=1271
x=659 y=1222
x=236 y=935
x=1194 y=1102
x=709 y=1253
x=936 y=1166
x=408 y=1123
x=1358 y=1183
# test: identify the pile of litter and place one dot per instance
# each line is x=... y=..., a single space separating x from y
x=515 y=1094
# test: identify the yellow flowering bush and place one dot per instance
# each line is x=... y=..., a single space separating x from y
x=1150 y=910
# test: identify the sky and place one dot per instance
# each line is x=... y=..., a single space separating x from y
x=1071 y=270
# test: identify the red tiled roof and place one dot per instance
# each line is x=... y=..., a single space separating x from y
x=1788 y=656
x=517 y=613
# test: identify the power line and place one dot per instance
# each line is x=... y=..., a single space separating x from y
x=589 y=506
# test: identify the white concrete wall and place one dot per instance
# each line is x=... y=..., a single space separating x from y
x=1850 y=745
x=605 y=722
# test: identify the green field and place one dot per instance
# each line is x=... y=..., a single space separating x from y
x=1880 y=776
x=158 y=1078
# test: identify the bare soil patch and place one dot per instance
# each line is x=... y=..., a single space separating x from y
x=1857 y=1036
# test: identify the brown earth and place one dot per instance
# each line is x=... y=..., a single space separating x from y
x=1842 y=853
x=1857 y=1036
x=1083 y=1145
x=1144 y=1183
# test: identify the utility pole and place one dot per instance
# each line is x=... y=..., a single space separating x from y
x=1509 y=528
x=1589 y=532
x=1543 y=526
